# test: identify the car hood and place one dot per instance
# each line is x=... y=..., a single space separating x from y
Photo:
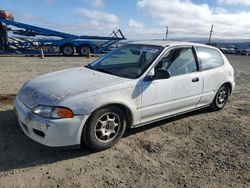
x=52 y=88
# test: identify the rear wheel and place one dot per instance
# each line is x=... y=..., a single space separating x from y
x=67 y=50
x=221 y=98
x=84 y=50
x=105 y=128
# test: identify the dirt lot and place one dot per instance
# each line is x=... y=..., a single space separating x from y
x=199 y=149
x=15 y=71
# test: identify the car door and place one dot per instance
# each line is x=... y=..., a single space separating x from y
x=181 y=92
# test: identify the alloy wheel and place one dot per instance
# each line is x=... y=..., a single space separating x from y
x=107 y=127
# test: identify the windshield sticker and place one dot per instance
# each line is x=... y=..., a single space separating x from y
x=148 y=49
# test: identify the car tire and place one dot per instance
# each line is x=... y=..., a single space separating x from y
x=67 y=50
x=220 y=98
x=104 y=128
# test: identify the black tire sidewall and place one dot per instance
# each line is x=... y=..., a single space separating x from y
x=215 y=105
x=67 y=47
x=80 y=50
x=89 y=129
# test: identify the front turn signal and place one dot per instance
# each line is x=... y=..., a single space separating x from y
x=61 y=112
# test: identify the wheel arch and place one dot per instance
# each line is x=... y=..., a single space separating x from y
x=66 y=44
x=126 y=110
x=229 y=85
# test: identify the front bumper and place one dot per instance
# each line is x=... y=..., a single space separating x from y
x=49 y=132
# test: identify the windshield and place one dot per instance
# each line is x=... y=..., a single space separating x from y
x=129 y=61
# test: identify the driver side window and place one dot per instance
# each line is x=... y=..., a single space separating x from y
x=178 y=61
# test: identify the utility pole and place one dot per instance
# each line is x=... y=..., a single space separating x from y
x=166 y=33
x=210 y=35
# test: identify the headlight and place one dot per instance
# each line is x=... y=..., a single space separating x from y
x=53 y=112
x=44 y=111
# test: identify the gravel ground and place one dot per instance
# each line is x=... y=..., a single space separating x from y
x=14 y=71
x=198 y=149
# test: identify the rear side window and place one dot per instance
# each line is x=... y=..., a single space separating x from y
x=210 y=58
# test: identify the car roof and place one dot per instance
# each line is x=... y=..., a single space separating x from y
x=169 y=43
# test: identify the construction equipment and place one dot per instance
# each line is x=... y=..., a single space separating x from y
x=68 y=44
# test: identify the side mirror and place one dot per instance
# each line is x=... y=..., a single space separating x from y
x=158 y=74
x=162 y=74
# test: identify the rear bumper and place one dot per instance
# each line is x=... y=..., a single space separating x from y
x=50 y=132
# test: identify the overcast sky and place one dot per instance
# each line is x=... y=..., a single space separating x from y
x=138 y=19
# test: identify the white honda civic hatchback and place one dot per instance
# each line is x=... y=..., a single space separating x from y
x=134 y=85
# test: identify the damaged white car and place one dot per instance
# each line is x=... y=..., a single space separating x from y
x=134 y=85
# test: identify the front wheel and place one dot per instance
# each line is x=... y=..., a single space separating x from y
x=220 y=98
x=105 y=128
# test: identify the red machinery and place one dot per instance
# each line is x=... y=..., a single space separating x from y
x=6 y=15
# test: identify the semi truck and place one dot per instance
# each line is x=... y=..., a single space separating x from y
x=30 y=39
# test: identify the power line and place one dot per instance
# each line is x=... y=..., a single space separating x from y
x=179 y=32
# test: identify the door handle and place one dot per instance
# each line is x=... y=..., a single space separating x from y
x=196 y=79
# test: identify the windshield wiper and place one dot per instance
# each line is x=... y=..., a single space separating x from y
x=102 y=70
x=107 y=71
x=88 y=66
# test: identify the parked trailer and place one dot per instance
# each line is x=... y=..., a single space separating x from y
x=68 y=44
